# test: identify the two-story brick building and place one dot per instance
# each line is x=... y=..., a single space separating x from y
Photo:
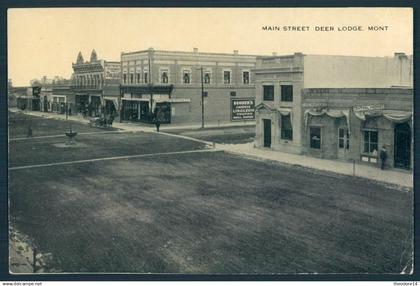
x=173 y=82
x=341 y=107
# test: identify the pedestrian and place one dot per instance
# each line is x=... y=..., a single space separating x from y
x=159 y=118
x=157 y=122
x=383 y=155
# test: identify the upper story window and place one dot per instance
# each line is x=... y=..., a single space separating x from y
x=207 y=77
x=164 y=78
x=131 y=78
x=268 y=92
x=125 y=78
x=186 y=76
x=287 y=93
x=245 y=77
x=146 y=76
x=138 y=77
x=226 y=77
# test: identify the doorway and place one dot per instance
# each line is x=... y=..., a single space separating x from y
x=267 y=132
x=402 y=146
x=343 y=142
x=45 y=103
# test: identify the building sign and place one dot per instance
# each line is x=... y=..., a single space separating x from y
x=367 y=108
x=317 y=106
x=242 y=109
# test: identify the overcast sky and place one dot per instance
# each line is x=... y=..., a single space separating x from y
x=47 y=41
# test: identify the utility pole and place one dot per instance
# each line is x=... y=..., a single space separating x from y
x=202 y=98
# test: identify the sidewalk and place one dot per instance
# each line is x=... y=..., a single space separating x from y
x=134 y=126
x=400 y=178
x=206 y=126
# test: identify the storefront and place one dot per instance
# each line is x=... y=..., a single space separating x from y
x=359 y=132
x=140 y=103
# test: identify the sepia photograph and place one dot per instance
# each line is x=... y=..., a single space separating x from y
x=210 y=140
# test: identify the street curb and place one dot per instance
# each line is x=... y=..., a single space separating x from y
x=257 y=158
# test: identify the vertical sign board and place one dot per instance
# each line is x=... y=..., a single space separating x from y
x=242 y=109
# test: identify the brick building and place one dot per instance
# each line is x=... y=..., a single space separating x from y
x=95 y=85
x=340 y=107
x=173 y=82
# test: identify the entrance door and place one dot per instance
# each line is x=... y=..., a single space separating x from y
x=343 y=143
x=267 y=132
x=402 y=146
x=45 y=103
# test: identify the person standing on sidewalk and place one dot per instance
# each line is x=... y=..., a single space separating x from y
x=383 y=155
x=159 y=118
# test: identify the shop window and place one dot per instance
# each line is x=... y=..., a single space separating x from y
x=286 y=127
x=370 y=142
x=245 y=77
x=315 y=137
x=186 y=77
x=207 y=77
x=164 y=77
x=268 y=92
x=233 y=93
x=226 y=77
x=287 y=93
x=343 y=138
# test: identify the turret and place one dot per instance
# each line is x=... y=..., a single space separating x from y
x=93 y=56
x=79 y=58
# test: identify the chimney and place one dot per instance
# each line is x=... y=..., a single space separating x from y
x=195 y=50
x=235 y=52
x=399 y=55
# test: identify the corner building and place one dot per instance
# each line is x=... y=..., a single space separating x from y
x=336 y=107
x=172 y=81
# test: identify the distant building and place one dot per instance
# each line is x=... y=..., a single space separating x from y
x=341 y=107
x=95 y=85
x=172 y=81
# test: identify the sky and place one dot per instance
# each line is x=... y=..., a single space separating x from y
x=46 y=41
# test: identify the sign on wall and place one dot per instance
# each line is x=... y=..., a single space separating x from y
x=242 y=109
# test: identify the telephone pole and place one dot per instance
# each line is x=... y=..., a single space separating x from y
x=202 y=98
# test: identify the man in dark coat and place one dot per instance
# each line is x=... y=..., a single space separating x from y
x=383 y=155
x=159 y=118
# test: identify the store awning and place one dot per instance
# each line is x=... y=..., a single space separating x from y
x=136 y=99
x=147 y=89
x=114 y=100
x=396 y=116
x=286 y=112
x=334 y=113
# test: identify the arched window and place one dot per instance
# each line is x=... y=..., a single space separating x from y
x=165 y=77
x=186 y=77
x=226 y=77
x=207 y=77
